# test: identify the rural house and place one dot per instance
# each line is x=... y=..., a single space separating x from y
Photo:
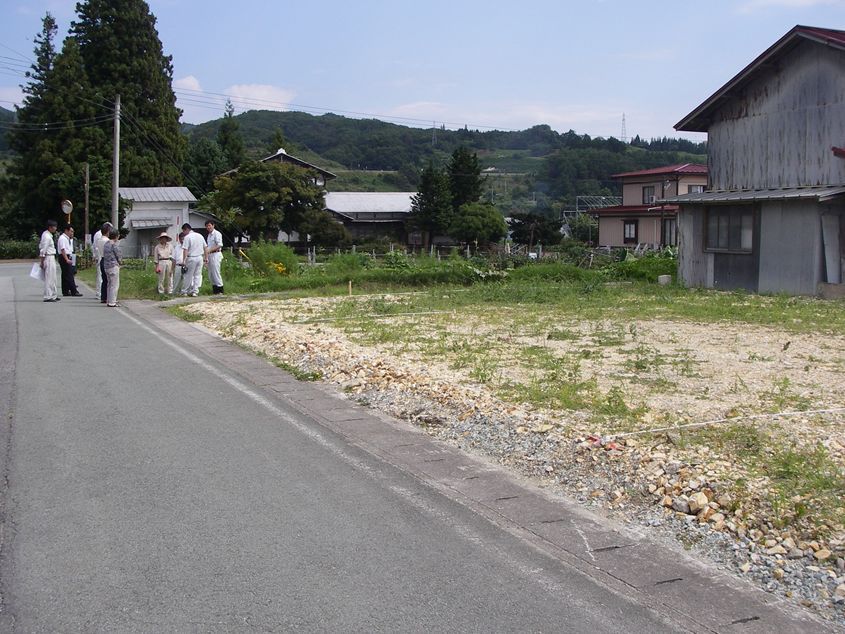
x=773 y=219
x=153 y=210
x=321 y=178
x=371 y=214
x=640 y=219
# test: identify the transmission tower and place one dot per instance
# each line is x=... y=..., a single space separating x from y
x=624 y=138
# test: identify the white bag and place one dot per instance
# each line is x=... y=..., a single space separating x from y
x=37 y=273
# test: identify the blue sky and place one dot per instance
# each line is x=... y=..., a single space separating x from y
x=510 y=65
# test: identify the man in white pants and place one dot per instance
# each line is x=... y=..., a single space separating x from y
x=47 y=253
x=215 y=257
x=194 y=252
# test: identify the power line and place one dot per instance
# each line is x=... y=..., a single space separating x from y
x=135 y=125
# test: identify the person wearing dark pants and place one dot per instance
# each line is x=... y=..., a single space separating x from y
x=65 y=248
x=101 y=243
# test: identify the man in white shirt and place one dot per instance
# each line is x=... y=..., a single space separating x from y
x=47 y=253
x=101 y=237
x=97 y=254
x=215 y=257
x=194 y=252
x=65 y=249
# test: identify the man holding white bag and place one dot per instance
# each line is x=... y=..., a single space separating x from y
x=47 y=253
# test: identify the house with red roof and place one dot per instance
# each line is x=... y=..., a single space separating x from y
x=641 y=219
x=773 y=217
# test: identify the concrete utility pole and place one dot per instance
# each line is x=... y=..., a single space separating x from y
x=86 y=237
x=115 y=175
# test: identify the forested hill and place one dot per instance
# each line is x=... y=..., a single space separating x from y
x=563 y=165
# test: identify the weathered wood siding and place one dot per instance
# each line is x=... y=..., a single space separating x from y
x=695 y=267
x=787 y=264
x=779 y=131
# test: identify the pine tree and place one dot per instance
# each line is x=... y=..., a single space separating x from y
x=431 y=207
x=122 y=55
x=229 y=138
x=59 y=130
x=465 y=181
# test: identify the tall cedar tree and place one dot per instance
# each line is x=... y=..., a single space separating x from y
x=229 y=138
x=49 y=164
x=431 y=206
x=122 y=55
x=465 y=180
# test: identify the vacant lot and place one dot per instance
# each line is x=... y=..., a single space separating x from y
x=602 y=393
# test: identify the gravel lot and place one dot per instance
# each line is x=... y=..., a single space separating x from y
x=464 y=376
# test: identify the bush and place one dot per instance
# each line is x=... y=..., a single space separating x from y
x=647 y=267
x=269 y=259
x=347 y=263
x=18 y=250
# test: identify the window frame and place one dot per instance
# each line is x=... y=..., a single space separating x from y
x=735 y=226
x=630 y=222
x=648 y=196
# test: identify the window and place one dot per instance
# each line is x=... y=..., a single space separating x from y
x=695 y=189
x=730 y=229
x=670 y=231
x=648 y=195
x=629 y=231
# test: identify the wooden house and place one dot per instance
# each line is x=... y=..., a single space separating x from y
x=773 y=216
x=371 y=214
x=640 y=219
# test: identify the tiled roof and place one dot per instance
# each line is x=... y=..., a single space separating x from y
x=683 y=168
x=157 y=194
x=699 y=119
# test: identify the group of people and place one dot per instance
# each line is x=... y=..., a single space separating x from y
x=109 y=260
x=178 y=265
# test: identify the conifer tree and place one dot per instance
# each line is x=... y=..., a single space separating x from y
x=431 y=207
x=229 y=138
x=465 y=181
x=122 y=55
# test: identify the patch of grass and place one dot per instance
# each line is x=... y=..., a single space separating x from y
x=295 y=372
x=184 y=314
x=783 y=398
x=808 y=486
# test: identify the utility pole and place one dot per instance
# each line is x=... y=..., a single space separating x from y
x=115 y=174
x=87 y=235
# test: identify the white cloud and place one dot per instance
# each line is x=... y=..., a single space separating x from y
x=756 y=5
x=189 y=83
x=259 y=97
x=198 y=105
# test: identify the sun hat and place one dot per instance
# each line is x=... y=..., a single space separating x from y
x=164 y=235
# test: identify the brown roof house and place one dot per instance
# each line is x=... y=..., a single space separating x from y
x=773 y=219
x=640 y=219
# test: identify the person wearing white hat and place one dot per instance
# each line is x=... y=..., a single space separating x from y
x=163 y=257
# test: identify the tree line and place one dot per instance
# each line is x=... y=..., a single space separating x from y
x=112 y=48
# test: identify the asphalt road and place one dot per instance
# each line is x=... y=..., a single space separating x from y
x=148 y=489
